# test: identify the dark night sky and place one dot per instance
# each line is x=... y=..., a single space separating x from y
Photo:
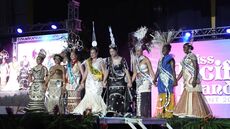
x=126 y=16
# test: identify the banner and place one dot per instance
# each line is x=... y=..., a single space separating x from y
x=214 y=63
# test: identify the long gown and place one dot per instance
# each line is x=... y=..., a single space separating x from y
x=12 y=84
x=37 y=91
x=117 y=86
x=192 y=102
x=3 y=74
x=53 y=93
x=74 y=96
x=24 y=74
x=143 y=90
x=93 y=90
x=166 y=101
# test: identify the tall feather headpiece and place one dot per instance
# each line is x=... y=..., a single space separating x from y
x=162 y=38
x=113 y=44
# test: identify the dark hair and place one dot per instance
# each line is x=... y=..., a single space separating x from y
x=94 y=48
x=168 y=46
x=42 y=58
x=77 y=53
x=189 y=45
x=57 y=55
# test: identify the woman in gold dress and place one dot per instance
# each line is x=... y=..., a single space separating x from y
x=56 y=85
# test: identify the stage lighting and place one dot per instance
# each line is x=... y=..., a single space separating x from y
x=187 y=37
x=228 y=30
x=187 y=34
x=54 y=27
x=19 y=30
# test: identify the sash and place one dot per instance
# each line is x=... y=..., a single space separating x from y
x=72 y=78
x=190 y=69
x=145 y=75
x=165 y=77
x=96 y=73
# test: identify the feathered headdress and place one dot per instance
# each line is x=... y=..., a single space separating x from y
x=162 y=38
x=139 y=37
x=140 y=33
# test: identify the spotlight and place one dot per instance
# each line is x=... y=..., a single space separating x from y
x=187 y=34
x=19 y=30
x=54 y=27
x=228 y=30
x=187 y=37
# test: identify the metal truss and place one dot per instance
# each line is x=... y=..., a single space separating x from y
x=72 y=24
x=38 y=28
x=205 y=33
x=73 y=21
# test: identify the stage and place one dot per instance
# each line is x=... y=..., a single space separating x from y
x=134 y=123
x=17 y=100
x=46 y=121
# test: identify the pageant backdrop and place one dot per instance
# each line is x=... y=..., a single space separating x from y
x=214 y=61
x=28 y=47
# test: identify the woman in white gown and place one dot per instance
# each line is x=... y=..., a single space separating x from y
x=4 y=72
x=93 y=85
x=13 y=84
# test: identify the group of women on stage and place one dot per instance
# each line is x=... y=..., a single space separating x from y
x=49 y=86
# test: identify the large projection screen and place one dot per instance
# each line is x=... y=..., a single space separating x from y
x=30 y=46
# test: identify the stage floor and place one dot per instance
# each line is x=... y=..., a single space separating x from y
x=135 y=123
x=17 y=100
x=123 y=120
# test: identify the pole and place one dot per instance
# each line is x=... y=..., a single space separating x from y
x=213 y=13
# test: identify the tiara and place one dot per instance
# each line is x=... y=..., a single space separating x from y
x=74 y=42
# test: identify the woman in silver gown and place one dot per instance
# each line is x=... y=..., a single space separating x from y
x=37 y=76
x=143 y=75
